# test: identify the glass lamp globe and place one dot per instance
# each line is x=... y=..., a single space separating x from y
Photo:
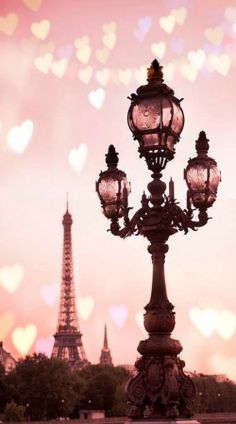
x=113 y=187
x=156 y=119
x=202 y=176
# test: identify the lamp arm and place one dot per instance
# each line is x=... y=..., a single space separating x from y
x=132 y=226
x=202 y=218
x=183 y=218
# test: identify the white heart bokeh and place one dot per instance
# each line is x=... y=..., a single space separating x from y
x=19 y=137
x=77 y=157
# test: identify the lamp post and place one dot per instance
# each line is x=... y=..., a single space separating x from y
x=160 y=390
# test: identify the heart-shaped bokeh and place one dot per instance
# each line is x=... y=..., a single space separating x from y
x=19 y=137
x=11 y=277
x=77 y=157
x=118 y=314
x=85 y=307
x=24 y=337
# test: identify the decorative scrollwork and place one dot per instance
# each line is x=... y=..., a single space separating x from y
x=169 y=216
x=160 y=388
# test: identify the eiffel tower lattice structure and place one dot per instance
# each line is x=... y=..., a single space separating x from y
x=68 y=338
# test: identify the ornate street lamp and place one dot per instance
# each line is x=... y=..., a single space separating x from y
x=161 y=389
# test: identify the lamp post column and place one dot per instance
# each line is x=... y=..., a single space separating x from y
x=160 y=389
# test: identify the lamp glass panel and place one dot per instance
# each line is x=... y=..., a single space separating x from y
x=130 y=120
x=171 y=143
x=196 y=177
x=151 y=139
x=108 y=189
x=214 y=179
x=178 y=119
x=166 y=112
x=147 y=114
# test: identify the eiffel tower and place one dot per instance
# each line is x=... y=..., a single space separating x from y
x=68 y=338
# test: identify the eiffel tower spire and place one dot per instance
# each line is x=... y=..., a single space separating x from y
x=68 y=338
x=105 y=358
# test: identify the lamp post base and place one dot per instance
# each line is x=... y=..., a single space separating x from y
x=160 y=391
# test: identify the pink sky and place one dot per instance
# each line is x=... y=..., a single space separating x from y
x=66 y=70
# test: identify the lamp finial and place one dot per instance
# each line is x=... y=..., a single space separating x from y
x=112 y=156
x=155 y=72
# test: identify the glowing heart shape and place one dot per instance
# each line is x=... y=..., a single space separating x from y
x=83 y=54
x=33 y=4
x=8 y=23
x=125 y=76
x=179 y=15
x=189 y=71
x=44 y=345
x=215 y=35
x=139 y=320
x=24 y=337
x=167 y=23
x=226 y=324
x=205 y=320
x=103 y=76
x=50 y=293
x=43 y=63
x=85 y=307
x=97 y=97
x=158 y=49
x=221 y=63
x=81 y=42
x=144 y=24
x=197 y=58
x=59 y=68
x=11 y=277
x=102 y=54
x=18 y=138
x=230 y=13
x=110 y=27
x=109 y=40
x=41 y=29
x=85 y=74
x=118 y=314
x=77 y=158
x=6 y=323
x=169 y=71
x=139 y=34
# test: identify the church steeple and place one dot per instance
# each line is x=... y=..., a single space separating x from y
x=105 y=344
x=105 y=358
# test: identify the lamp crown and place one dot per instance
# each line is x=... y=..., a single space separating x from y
x=155 y=72
x=112 y=156
x=202 y=144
